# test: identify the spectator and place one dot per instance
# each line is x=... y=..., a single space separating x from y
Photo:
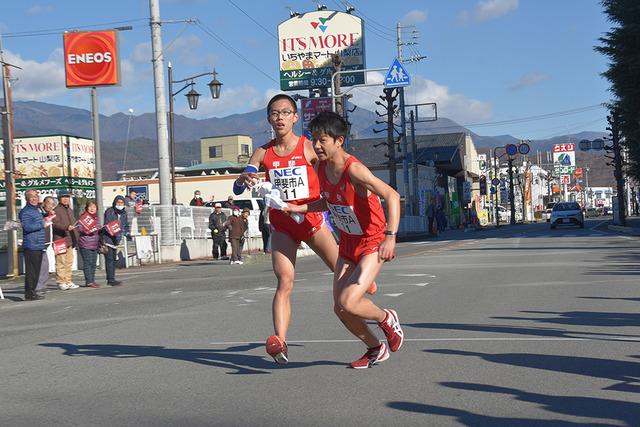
x=88 y=244
x=217 y=221
x=33 y=244
x=212 y=202
x=131 y=200
x=64 y=228
x=431 y=215
x=229 y=204
x=197 y=199
x=245 y=234
x=48 y=204
x=117 y=213
x=264 y=224
x=235 y=225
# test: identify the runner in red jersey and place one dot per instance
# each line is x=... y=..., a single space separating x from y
x=289 y=161
x=350 y=191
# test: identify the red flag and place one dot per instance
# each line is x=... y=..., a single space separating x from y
x=59 y=247
x=88 y=223
x=113 y=227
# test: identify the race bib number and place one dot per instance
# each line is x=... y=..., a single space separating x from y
x=345 y=219
x=292 y=181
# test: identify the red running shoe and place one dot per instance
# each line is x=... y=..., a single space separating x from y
x=392 y=330
x=371 y=357
x=373 y=288
x=277 y=349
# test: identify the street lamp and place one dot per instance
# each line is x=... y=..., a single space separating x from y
x=192 y=99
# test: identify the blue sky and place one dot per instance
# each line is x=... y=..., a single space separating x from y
x=487 y=60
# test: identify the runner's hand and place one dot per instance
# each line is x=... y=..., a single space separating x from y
x=386 y=251
x=293 y=208
x=248 y=178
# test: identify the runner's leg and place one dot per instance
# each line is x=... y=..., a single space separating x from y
x=356 y=325
x=353 y=287
x=324 y=245
x=284 y=261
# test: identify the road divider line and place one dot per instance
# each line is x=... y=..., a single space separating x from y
x=470 y=339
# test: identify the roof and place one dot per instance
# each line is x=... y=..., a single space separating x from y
x=429 y=145
x=216 y=164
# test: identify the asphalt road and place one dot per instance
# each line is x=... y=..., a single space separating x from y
x=521 y=326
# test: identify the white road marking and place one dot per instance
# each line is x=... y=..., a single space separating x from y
x=146 y=272
x=514 y=339
x=393 y=295
x=261 y=289
x=411 y=274
x=300 y=280
x=598 y=225
x=421 y=284
x=176 y=292
x=328 y=274
x=64 y=309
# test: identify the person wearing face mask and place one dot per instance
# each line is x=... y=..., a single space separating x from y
x=197 y=199
x=236 y=232
x=48 y=204
x=118 y=213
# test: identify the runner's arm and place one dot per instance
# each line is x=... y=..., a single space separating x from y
x=319 y=205
x=361 y=176
x=248 y=175
x=310 y=153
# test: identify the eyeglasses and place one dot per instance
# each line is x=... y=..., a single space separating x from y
x=274 y=114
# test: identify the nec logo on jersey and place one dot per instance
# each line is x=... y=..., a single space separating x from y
x=289 y=172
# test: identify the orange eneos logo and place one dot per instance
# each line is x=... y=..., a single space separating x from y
x=91 y=59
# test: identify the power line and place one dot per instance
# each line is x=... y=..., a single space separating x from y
x=52 y=31
x=539 y=117
x=251 y=18
x=227 y=46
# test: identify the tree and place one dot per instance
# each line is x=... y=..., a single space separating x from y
x=622 y=45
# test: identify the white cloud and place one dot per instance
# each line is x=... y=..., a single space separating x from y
x=414 y=17
x=37 y=80
x=232 y=100
x=186 y=50
x=486 y=10
x=39 y=9
x=453 y=106
x=530 y=79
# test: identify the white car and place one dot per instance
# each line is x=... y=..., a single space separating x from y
x=567 y=213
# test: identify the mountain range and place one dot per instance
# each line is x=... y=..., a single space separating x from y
x=135 y=135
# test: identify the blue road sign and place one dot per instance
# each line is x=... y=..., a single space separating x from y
x=397 y=76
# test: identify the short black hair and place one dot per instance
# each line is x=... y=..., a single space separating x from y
x=280 y=96
x=329 y=123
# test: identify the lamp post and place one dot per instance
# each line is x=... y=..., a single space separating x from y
x=192 y=100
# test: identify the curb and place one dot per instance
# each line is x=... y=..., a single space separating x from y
x=627 y=230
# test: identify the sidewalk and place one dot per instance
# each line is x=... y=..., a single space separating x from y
x=632 y=226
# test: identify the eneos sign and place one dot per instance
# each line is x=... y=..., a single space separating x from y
x=91 y=58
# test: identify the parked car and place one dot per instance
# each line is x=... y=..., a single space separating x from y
x=547 y=211
x=567 y=213
x=591 y=212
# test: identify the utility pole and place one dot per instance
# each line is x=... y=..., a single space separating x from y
x=512 y=202
x=389 y=98
x=408 y=195
x=160 y=101
x=9 y=174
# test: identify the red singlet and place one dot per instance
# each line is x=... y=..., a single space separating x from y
x=360 y=219
x=298 y=181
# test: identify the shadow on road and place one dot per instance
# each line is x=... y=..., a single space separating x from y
x=234 y=359
x=577 y=406
x=625 y=374
x=613 y=298
x=583 y=318
x=530 y=331
x=477 y=420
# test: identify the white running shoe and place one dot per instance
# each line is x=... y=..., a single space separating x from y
x=72 y=285
x=63 y=286
x=239 y=262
